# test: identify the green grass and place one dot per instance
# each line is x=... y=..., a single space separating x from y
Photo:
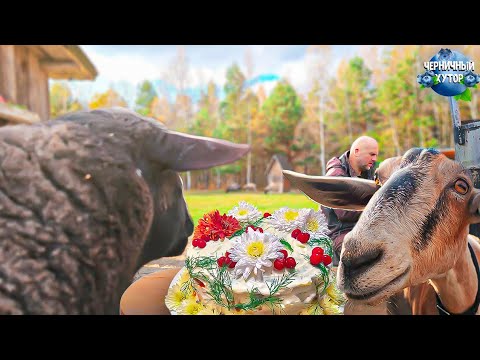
x=199 y=203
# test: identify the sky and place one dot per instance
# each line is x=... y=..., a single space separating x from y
x=125 y=66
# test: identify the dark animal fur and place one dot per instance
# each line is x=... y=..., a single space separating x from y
x=80 y=197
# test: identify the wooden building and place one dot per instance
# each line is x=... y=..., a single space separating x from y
x=24 y=74
x=276 y=182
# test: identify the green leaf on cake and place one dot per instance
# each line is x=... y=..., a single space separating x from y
x=287 y=245
x=255 y=299
x=324 y=242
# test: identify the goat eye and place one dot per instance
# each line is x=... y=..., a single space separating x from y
x=461 y=186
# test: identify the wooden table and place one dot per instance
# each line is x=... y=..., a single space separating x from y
x=146 y=296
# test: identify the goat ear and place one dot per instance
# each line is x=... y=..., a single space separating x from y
x=387 y=168
x=475 y=207
x=334 y=191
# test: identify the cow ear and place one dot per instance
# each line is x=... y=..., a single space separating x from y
x=334 y=191
x=474 y=207
x=183 y=152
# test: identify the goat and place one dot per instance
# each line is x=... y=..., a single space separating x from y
x=250 y=187
x=413 y=234
x=88 y=198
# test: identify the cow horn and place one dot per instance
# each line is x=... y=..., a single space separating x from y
x=334 y=191
x=183 y=152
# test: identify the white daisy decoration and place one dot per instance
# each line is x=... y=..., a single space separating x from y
x=254 y=252
x=245 y=213
x=286 y=219
x=191 y=307
x=316 y=224
x=176 y=297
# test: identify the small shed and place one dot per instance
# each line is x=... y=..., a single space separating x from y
x=24 y=74
x=276 y=182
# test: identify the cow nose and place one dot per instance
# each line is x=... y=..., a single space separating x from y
x=356 y=264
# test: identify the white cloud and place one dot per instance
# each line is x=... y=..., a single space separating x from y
x=296 y=73
x=202 y=75
x=133 y=64
x=132 y=68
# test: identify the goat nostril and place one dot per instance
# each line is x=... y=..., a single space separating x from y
x=354 y=265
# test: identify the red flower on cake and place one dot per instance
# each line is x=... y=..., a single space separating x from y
x=214 y=226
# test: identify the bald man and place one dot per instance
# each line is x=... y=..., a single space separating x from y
x=359 y=161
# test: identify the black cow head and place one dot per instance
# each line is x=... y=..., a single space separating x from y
x=158 y=154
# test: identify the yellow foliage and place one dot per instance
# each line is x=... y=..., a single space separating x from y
x=110 y=98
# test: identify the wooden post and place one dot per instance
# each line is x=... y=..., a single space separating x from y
x=38 y=96
x=467 y=142
x=8 y=84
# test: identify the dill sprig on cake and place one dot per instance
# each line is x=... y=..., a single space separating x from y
x=244 y=262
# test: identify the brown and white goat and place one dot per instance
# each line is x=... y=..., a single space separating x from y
x=412 y=235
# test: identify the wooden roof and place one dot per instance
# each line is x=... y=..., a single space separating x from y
x=282 y=159
x=65 y=62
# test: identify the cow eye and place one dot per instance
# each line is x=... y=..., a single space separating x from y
x=461 y=186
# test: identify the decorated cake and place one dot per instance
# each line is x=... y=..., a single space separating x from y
x=246 y=262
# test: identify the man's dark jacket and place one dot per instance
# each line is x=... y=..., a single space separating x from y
x=340 y=222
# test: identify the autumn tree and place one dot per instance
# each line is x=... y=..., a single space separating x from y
x=109 y=98
x=232 y=124
x=284 y=110
x=249 y=72
x=61 y=100
x=319 y=58
x=351 y=103
x=230 y=108
x=160 y=109
x=206 y=119
x=178 y=75
x=145 y=96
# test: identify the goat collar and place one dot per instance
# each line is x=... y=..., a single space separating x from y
x=472 y=310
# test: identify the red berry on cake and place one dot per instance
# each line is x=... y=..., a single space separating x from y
x=326 y=259
x=200 y=283
x=290 y=262
x=279 y=264
x=221 y=261
x=316 y=259
x=285 y=254
x=296 y=232
x=265 y=215
x=303 y=237
x=231 y=264
x=317 y=250
x=195 y=243
x=201 y=243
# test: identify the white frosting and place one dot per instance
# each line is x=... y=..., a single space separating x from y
x=296 y=296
